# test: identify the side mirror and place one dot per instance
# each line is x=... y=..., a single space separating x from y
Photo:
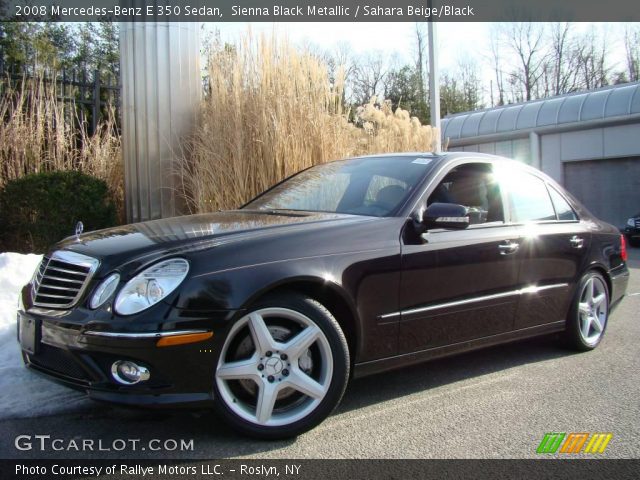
x=446 y=215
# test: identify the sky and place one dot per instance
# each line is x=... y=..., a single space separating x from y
x=456 y=41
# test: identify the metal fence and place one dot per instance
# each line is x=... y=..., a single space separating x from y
x=90 y=93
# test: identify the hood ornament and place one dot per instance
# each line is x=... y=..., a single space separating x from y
x=79 y=229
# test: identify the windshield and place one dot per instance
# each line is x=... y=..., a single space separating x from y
x=376 y=186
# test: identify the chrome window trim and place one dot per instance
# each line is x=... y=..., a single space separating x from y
x=171 y=333
x=496 y=296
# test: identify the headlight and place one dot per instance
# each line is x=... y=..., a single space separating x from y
x=104 y=290
x=631 y=222
x=151 y=285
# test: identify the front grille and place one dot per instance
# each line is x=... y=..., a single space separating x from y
x=58 y=361
x=637 y=220
x=61 y=279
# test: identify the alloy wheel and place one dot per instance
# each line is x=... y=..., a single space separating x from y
x=275 y=367
x=593 y=310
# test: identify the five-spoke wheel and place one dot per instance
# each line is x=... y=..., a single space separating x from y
x=589 y=313
x=282 y=368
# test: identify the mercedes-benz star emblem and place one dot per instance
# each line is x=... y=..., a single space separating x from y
x=79 y=229
x=273 y=366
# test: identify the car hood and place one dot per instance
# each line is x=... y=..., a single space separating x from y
x=195 y=231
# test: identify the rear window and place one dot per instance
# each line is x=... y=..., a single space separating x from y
x=563 y=209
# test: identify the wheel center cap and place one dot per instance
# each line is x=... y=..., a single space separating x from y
x=273 y=366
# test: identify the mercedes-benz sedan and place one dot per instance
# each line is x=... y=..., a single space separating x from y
x=346 y=269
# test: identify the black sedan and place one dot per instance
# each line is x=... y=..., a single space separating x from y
x=632 y=230
x=346 y=269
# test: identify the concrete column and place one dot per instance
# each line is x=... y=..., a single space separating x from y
x=534 y=140
x=161 y=88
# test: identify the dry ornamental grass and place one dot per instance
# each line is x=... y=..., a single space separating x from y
x=272 y=111
x=38 y=133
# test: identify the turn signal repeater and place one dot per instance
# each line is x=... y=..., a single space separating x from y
x=183 y=339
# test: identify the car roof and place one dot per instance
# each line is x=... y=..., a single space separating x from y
x=443 y=155
x=442 y=158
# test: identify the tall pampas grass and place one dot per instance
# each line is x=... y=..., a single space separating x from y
x=39 y=133
x=270 y=111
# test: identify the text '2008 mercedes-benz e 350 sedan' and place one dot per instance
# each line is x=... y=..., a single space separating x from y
x=346 y=269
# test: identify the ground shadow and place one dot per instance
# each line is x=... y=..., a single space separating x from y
x=213 y=439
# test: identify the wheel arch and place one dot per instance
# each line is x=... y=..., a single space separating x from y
x=597 y=267
x=330 y=295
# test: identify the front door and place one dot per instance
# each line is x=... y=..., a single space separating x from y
x=461 y=285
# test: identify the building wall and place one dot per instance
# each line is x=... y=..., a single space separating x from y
x=519 y=149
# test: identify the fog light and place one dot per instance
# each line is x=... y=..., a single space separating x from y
x=129 y=373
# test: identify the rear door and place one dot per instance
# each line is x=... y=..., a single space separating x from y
x=553 y=247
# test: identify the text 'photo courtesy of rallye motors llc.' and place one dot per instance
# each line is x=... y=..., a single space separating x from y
x=324 y=239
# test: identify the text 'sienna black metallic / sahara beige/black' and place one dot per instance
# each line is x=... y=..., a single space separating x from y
x=346 y=269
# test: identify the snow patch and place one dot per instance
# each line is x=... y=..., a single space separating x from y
x=22 y=392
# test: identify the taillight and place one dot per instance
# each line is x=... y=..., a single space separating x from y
x=623 y=248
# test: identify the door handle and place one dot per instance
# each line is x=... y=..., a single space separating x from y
x=576 y=241
x=508 y=248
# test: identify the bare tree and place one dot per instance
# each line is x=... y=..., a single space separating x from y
x=340 y=65
x=563 y=59
x=592 y=55
x=526 y=41
x=632 y=50
x=420 y=62
x=471 y=85
x=368 y=76
x=497 y=67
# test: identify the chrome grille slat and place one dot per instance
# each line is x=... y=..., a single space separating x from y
x=61 y=279
x=63 y=270
x=53 y=287
x=48 y=295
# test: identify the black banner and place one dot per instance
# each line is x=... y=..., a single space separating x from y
x=579 y=469
x=318 y=10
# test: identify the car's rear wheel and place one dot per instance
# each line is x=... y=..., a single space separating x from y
x=282 y=369
x=589 y=313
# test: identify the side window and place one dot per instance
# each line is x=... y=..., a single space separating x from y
x=563 y=209
x=530 y=201
x=474 y=186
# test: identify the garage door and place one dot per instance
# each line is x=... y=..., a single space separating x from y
x=610 y=189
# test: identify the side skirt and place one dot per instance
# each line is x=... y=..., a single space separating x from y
x=391 y=363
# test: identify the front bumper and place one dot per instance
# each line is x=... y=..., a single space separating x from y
x=181 y=375
x=632 y=232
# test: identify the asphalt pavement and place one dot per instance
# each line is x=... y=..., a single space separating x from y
x=494 y=403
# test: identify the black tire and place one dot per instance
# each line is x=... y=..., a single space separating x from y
x=335 y=383
x=574 y=335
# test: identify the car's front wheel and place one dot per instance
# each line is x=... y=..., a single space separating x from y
x=282 y=369
x=589 y=313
